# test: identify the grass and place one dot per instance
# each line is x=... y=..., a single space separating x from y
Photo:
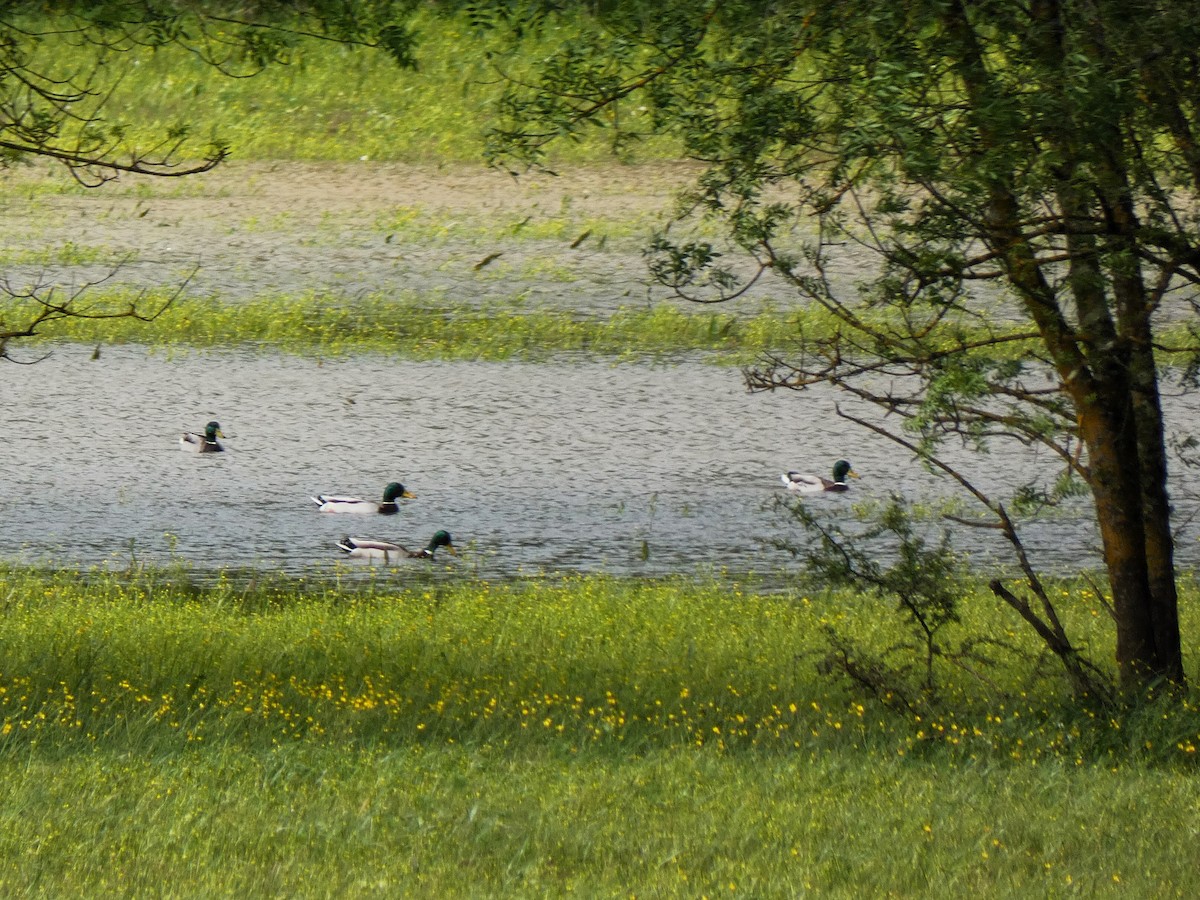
x=584 y=734
x=421 y=327
x=564 y=225
x=66 y=254
x=333 y=102
x=337 y=104
x=308 y=821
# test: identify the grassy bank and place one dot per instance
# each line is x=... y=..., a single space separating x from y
x=333 y=102
x=586 y=734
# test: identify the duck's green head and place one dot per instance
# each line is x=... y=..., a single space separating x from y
x=212 y=431
x=442 y=539
x=396 y=491
x=841 y=469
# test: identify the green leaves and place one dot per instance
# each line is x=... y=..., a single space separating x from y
x=400 y=43
x=889 y=559
x=679 y=265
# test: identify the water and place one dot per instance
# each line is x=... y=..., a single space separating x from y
x=575 y=465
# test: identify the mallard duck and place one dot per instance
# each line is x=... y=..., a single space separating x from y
x=203 y=443
x=815 y=484
x=364 y=548
x=388 y=506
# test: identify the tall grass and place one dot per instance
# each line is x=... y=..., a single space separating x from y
x=333 y=102
x=422 y=327
x=577 y=662
x=469 y=821
x=588 y=735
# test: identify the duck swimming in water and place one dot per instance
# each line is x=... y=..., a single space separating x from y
x=203 y=443
x=816 y=484
x=365 y=548
x=329 y=503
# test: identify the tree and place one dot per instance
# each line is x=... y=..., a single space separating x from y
x=59 y=114
x=1025 y=176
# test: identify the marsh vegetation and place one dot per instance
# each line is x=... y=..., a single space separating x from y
x=165 y=730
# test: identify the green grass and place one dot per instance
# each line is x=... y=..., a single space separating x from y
x=67 y=254
x=418 y=326
x=432 y=227
x=420 y=821
x=334 y=102
x=589 y=735
x=422 y=327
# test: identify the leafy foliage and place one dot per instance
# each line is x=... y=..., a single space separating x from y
x=886 y=557
x=1019 y=171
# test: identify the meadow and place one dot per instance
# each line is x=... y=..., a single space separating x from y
x=172 y=736
x=588 y=735
x=336 y=103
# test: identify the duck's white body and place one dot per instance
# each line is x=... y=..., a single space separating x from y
x=801 y=483
x=328 y=503
x=364 y=548
x=386 y=551
x=806 y=484
x=332 y=503
x=195 y=443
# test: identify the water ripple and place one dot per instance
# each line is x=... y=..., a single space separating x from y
x=576 y=465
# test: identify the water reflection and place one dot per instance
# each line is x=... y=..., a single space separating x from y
x=576 y=465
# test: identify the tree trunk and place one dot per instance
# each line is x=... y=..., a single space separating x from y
x=1156 y=513
x=1134 y=310
x=1107 y=429
x=1120 y=419
x=1129 y=363
x=1100 y=389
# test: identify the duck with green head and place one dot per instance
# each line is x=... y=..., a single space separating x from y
x=365 y=548
x=816 y=484
x=203 y=443
x=388 y=506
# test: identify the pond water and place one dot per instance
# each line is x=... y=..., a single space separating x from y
x=572 y=465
